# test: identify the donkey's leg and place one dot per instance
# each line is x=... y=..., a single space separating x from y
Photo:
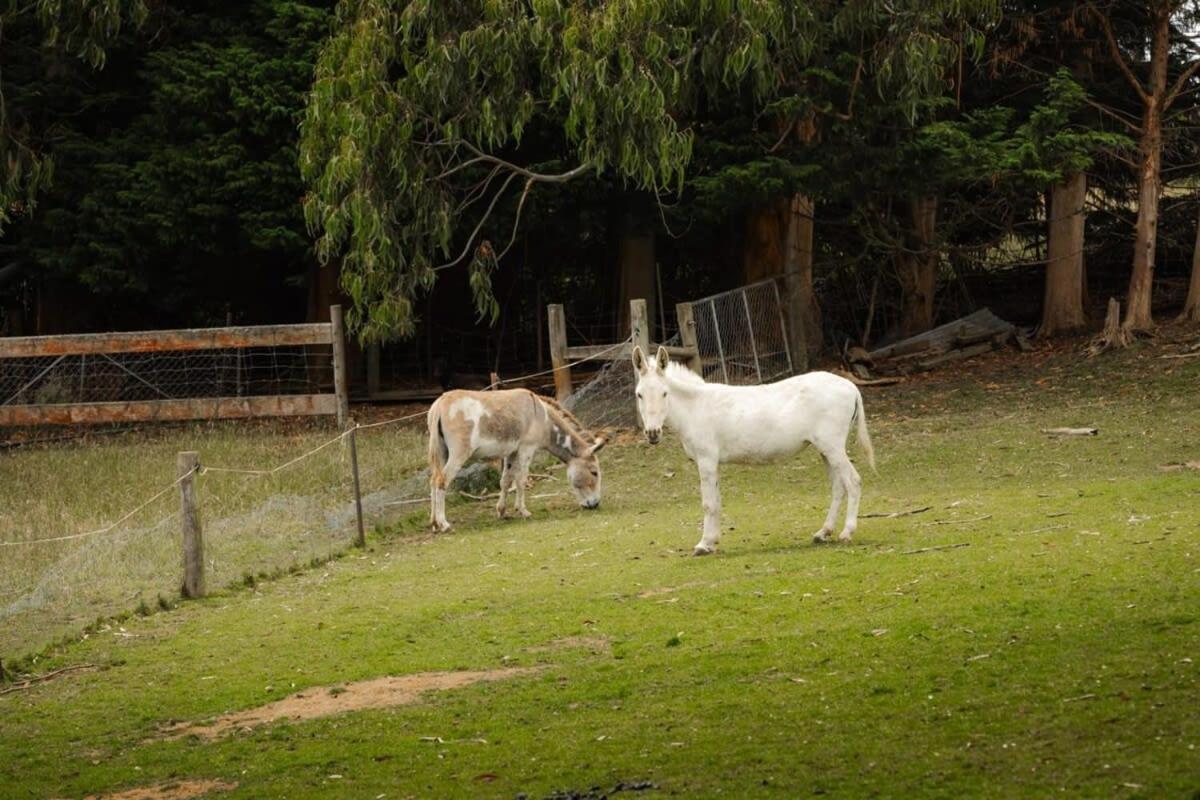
x=458 y=457
x=710 y=497
x=838 y=489
x=521 y=469
x=853 y=484
x=505 y=485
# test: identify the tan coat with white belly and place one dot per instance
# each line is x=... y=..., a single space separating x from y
x=512 y=425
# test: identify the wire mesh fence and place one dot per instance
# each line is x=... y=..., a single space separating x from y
x=742 y=336
x=121 y=377
x=606 y=401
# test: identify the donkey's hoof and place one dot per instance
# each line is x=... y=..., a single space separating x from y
x=525 y=513
x=844 y=537
x=821 y=536
x=441 y=527
x=703 y=550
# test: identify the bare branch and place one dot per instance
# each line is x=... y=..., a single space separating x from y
x=1175 y=90
x=1110 y=112
x=517 y=220
x=1116 y=53
x=474 y=233
x=537 y=177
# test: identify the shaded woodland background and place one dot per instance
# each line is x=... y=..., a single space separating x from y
x=169 y=193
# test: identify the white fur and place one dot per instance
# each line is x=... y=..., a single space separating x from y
x=718 y=423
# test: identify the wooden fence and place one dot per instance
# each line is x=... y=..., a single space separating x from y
x=53 y=349
x=562 y=355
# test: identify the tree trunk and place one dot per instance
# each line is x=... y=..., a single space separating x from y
x=1191 y=308
x=1063 y=306
x=1141 y=283
x=763 y=248
x=803 y=309
x=917 y=266
x=636 y=276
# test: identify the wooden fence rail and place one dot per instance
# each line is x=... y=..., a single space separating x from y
x=183 y=408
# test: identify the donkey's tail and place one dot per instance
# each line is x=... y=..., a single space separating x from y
x=864 y=438
x=438 y=452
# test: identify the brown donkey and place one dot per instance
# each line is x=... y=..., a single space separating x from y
x=512 y=425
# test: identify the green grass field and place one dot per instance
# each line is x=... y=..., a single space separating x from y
x=1052 y=647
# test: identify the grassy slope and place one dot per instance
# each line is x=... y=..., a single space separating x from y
x=775 y=668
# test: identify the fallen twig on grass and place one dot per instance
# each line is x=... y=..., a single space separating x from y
x=1071 y=431
x=957 y=521
x=931 y=549
x=1088 y=696
x=37 y=679
x=895 y=514
x=1182 y=355
x=1040 y=530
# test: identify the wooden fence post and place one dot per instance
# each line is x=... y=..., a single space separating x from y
x=339 y=366
x=193 y=540
x=639 y=327
x=687 y=335
x=361 y=541
x=556 y=322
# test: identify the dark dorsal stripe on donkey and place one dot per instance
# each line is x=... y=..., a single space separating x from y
x=512 y=425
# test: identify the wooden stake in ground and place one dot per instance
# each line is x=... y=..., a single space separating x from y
x=187 y=465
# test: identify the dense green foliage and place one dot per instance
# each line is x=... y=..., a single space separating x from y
x=176 y=165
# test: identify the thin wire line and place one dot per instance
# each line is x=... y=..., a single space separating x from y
x=107 y=528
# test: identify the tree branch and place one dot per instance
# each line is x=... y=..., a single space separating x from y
x=1180 y=83
x=1116 y=53
x=474 y=233
x=1106 y=110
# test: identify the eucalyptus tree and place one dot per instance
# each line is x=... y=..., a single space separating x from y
x=415 y=130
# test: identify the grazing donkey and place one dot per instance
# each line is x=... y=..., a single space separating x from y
x=719 y=423
x=511 y=424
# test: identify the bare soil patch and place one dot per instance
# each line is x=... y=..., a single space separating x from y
x=178 y=790
x=325 y=701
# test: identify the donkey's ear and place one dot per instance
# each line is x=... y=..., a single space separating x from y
x=662 y=358
x=597 y=446
x=639 y=360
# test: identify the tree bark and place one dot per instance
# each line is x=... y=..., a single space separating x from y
x=1191 y=308
x=763 y=248
x=1062 y=309
x=804 y=310
x=917 y=266
x=636 y=273
x=1141 y=282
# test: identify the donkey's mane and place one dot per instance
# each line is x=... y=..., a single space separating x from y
x=568 y=420
x=681 y=374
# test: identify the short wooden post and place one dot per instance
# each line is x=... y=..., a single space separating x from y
x=187 y=464
x=639 y=326
x=556 y=322
x=687 y=335
x=339 y=366
x=361 y=541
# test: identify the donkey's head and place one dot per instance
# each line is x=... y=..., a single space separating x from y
x=652 y=391
x=583 y=473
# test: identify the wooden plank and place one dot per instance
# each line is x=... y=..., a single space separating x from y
x=157 y=341
x=171 y=410
x=193 y=539
x=606 y=352
x=639 y=326
x=556 y=322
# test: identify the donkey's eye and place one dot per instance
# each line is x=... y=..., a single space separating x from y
x=639 y=395
x=664 y=394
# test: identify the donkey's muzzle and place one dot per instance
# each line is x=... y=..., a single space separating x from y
x=590 y=503
x=653 y=435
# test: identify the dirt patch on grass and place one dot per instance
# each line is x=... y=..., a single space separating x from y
x=593 y=643
x=325 y=701
x=178 y=790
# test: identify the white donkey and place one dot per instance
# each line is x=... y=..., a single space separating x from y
x=719 y=423
x=513 y=425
